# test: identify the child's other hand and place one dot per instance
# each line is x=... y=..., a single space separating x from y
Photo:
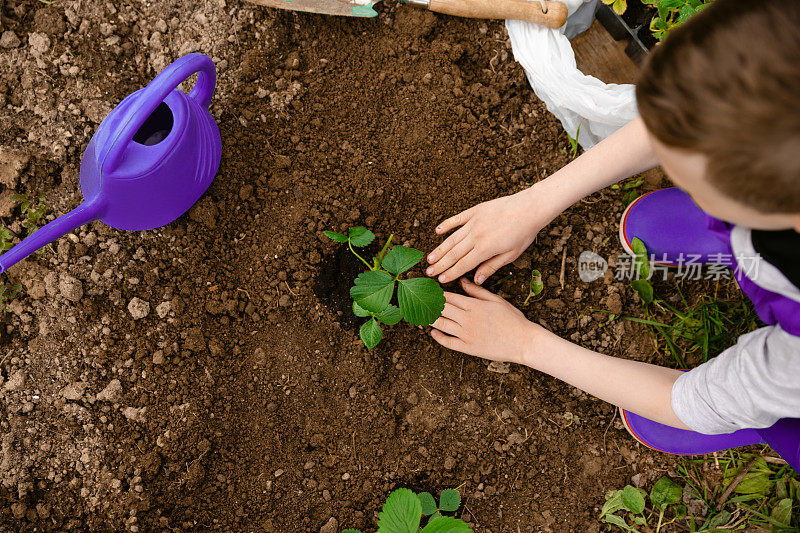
x=485 y=325
x=492 y=234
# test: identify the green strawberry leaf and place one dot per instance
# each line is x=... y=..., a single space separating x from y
x=613 y=503
x=338 y=237
x=633 y=499
x=428 y=503
x=401 y=513
x=666 y=492
x=361 y=236
x=390 y=316
x=373 y=290
x=370 y=333
x=360 y=311
x=421 y=300
x=619 y=522
x=449 y=500
x=446 y=524
x=401 y=258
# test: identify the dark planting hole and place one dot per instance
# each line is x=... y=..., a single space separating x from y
x=157 y=126
x=336 y=275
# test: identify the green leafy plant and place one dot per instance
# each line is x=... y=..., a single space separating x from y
x=420 y=301
x=7 y=293
x=642 y=284
x=573 y=142
x=626 y=508
x=5 y=239
x=405 y=511
x=33 y=212
x=672 y=13
x=754 y=492
x=535 y=286
x=630 y=189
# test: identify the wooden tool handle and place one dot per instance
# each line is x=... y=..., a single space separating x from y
x=555 y=17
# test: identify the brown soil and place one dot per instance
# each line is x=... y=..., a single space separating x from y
x=244 y=400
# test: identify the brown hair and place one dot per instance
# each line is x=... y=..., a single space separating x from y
x=727 y=84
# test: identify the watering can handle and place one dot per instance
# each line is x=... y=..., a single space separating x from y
x=152 y=96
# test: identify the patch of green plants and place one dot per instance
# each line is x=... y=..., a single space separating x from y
x=629 y=189
x=5 y=239
x=420 y=301
x=7 y=293
x=756 y=491
x=703 y=329
x=672 y=13
x=405 y=512
x=33 y=212
x=627 y=508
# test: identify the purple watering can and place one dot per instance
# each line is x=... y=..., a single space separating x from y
x=150 y=160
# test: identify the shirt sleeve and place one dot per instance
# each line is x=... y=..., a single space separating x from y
x=752 y=384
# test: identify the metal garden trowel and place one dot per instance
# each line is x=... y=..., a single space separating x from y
x=545 y=13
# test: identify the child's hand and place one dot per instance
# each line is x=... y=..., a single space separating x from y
x=485 y=325
x=492 y=234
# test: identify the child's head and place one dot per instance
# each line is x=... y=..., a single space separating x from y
x=721 y=99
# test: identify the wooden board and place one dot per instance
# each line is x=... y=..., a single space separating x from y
x=599 y=55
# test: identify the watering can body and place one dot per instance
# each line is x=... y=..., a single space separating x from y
x=150 y=160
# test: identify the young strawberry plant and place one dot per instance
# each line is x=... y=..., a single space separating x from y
x=535 y=286
x=404 y=512
x=420 y=301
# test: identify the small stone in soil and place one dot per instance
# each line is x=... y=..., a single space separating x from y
x=138 y=308
x=70 y=287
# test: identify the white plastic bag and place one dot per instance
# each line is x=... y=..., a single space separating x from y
x=573 y=97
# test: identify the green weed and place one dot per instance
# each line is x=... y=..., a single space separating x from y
x=573 y=142
x=627 y=508
x=630 y=189
x=33 y=212
x=700 y=330
x=7 y=293
x=420 y=300
x=405 y=511
x=753 y=491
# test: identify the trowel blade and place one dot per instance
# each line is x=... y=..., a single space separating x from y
x=357 y=8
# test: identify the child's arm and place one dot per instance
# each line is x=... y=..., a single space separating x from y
x=495 y=233
x=487 y=326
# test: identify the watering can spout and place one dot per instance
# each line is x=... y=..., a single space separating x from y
x=83 y=214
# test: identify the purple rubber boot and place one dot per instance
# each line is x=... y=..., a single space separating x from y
x=783 y=437
x=673 y=228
